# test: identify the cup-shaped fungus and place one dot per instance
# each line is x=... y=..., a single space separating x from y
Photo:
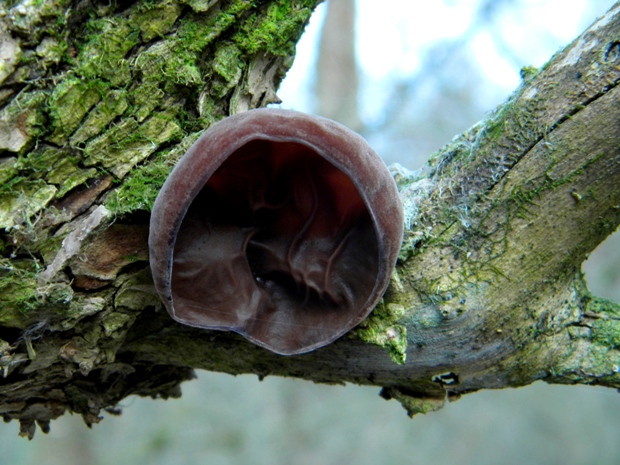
x=280 y=226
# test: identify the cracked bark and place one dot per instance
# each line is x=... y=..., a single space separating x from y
x=487 y=293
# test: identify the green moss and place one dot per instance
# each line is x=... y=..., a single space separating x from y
x=145 y=98
x=607 y=333
x=107 y=45
x=228 y=66
x=381 y=329
x=69 y=103
x=274 y=30
x=57 y=294
x=136 y=293
x=199 y=6
x=8 y=169
x=416 y=405
x=599 y=363
x=58 y=167
x=105 y=86
x=460 y=150
x=108 y=149
x=178 y=60
x=412 y=403
x=40 y=13
x=22 y=300
x=167 y=63
x=605 y=316
x=210 y=110
x=128 y=143
x=496 y=125
x=195 y=34
x=113 y=104
x=20 y=199
x=118 y=109
x=141 y=186
x=528 y=73
x=67 y=176
x=50 y=247
x=18 y=294
x=51 y=51
x=41 y=160
x=157 y=20
x=606 y=325
x=114 y=321
x=512 y=126
x=139 y=190
x=82 y=306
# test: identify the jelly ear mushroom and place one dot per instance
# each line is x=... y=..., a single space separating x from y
x=280 y=226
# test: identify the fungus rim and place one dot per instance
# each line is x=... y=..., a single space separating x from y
x=332 y=141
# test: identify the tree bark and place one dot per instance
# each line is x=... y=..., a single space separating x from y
x=100 y=100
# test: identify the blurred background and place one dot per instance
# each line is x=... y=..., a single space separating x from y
x=408 y=82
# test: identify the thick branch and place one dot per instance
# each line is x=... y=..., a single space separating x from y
x=488 y=287
x=487 y=293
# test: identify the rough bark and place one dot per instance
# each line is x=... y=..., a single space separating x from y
x=99 y=101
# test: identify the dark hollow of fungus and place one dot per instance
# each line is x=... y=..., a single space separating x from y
x=280 y=226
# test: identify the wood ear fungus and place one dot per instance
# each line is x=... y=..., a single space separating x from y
x=280 y=226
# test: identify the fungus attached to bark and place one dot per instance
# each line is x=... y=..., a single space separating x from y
x=280 y=226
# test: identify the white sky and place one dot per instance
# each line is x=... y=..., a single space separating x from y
x=389 y=47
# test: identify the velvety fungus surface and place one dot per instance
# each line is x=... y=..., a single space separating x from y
x=281 y=226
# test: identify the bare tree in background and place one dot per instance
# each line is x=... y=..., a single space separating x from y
x=337 y=74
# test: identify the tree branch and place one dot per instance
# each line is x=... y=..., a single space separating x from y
x=487 y=292
x=488 y=289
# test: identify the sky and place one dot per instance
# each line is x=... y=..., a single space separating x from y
x=390 y=47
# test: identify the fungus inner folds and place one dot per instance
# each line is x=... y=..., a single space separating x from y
x=278 y=245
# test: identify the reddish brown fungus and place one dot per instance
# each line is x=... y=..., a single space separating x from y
x=280 y=226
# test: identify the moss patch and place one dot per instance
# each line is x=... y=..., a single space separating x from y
x=59 y=167
x=157 y=20
x=411 y=403
x=69 y=103
x=129 y=142
x=607 y=333
x=381 y=329
x=606 y=327
x=228 y=67
x=20 y=199
x=141 y=186
x=274 y=30
x=114 y=104
x=103 y=55
x=18 y=294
